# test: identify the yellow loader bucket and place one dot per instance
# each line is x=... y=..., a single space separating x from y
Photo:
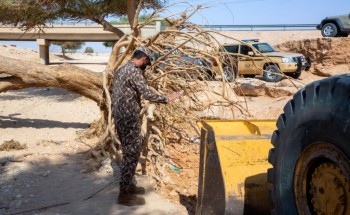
x=233 y=167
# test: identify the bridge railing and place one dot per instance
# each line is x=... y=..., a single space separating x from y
x=276 y=27
x=269 y=27
x=272 y=27
x=80 y=23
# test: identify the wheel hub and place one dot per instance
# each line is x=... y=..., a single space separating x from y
x=328 y=30
x=329 y=189
x=321 y=181
x=271 y=74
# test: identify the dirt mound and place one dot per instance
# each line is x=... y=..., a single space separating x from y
x=330 y=56
x=256 y=87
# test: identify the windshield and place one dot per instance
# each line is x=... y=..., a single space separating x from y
x=263 y=47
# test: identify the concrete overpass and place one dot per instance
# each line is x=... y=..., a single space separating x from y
x=68 y=33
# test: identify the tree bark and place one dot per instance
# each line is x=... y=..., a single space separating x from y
x=108 y=27
x=131 y=12
x=18 y=74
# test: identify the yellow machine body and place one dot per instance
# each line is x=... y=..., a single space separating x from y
x=233 y=167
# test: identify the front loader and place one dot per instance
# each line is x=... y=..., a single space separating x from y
x=299 y=164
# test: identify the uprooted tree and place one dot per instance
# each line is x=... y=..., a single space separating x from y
x=177 y=48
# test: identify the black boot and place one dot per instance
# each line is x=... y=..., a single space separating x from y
x=137 y=190
x=129 y=199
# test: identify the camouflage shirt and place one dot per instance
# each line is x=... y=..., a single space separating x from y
x=128 y=87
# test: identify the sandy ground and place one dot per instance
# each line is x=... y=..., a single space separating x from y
x=51 y=171
x=50 y=176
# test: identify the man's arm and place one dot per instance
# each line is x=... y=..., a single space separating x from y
x=139 y=83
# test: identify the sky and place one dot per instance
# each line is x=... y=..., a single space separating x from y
x=257 y=12
x=241 y=12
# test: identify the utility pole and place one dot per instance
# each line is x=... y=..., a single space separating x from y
x=233 y=17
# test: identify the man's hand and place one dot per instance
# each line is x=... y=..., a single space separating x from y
x=175 y=95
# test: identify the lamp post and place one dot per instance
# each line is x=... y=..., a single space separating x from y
x=233 y=17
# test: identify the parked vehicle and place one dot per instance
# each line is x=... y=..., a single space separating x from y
x=260 y=58
x=335 y=26
x=203 y=70
x=197 y=67
x=229 y=69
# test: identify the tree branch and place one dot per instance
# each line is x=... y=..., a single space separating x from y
x=25 y=74
x=108 y=26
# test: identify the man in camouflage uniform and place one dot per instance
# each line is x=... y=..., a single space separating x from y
x=128 y=86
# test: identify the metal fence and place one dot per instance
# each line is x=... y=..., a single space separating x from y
x=276 y=27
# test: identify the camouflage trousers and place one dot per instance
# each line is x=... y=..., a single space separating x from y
x=129 y=132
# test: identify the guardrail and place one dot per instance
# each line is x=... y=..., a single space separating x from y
x=276 y=27
x=80 y=23
x=273 y=27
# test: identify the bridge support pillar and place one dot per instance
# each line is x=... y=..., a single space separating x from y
x=158 y=26
x=44 y=51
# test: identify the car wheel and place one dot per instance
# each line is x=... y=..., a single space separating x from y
x=310 y=158
x=229 y=74
x=329 y=30
x=272 y=74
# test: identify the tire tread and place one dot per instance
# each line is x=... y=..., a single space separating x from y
x=323 y=93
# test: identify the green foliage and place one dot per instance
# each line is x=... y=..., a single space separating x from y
x=31 y=13
x=89 y=50
x=143 y=17
x=69 y=47
x=108 y=44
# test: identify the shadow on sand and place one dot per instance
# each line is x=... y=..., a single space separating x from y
x=12 y=121
x=56 y=94
x=38 y=184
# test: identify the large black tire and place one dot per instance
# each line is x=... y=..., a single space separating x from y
x=329 y=30
x=272 y=74
x=310 y=158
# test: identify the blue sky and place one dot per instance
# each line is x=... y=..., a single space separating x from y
x=244 y=12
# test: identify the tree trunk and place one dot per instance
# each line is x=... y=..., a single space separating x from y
x=18 y=74
x=133 y=10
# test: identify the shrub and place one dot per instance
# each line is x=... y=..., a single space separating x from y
x=89 y=50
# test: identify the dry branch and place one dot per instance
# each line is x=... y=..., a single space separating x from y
x=18 y=74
